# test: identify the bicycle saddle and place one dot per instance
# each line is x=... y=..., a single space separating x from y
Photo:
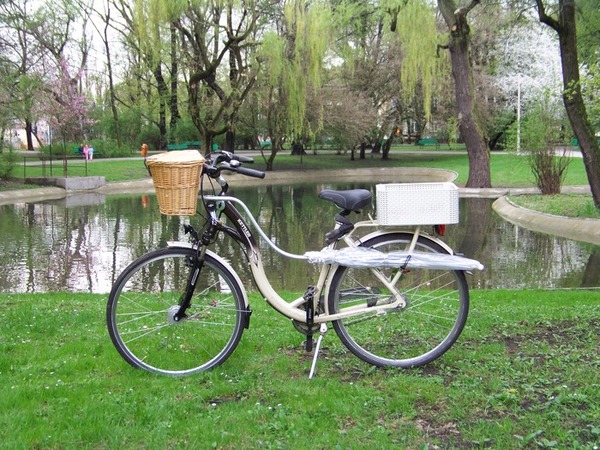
x=352 y=199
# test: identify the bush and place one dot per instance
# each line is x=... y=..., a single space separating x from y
x=103 y=148
x=8 y=158
x=186 y=131
x=107 y=148
x=541 y=131
x=58 y=149
x=549 y=170
x=151 y=136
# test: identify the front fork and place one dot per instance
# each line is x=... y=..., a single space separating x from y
x=196 y=261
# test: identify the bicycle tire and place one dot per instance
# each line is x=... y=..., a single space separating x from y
x=142 y=303
x=430 y=323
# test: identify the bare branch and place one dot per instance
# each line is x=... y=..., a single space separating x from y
x=462 y=12
x=545 y=18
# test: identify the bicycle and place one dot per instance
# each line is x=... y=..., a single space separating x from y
x=182 y=309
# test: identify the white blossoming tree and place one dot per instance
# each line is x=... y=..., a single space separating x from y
x=527 y=65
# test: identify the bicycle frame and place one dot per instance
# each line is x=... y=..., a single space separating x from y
x=242 y=233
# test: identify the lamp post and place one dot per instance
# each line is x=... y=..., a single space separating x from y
x=519 y=116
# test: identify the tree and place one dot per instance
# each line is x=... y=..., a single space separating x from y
x=526 y=68
x=293 y=57
x=462 y=71
x=105 y=15
x=67 y=109
x=22 y=56
x=213 y=34
x=562 y=21
x=388 y=49
x=588 y=30
x=53 y=27
x=346 y=116
x=588 y=36
x=145 y=35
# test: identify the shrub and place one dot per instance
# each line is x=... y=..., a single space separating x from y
x=107 y=148
x=541 y=136
x=185 y=131
x=8 y=159
x=150 y=135
x=58 y=149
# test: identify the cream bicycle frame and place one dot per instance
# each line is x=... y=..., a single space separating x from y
x=291 y=309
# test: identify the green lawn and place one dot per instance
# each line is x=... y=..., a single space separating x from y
x=508 y=170
x=524 y=374
x=567 y=205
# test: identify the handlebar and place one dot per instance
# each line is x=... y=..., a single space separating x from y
x=250 y=172
x=225 y=160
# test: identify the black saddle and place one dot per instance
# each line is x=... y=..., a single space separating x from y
x=352 y=199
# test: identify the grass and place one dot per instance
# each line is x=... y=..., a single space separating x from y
x=112 y=170
x=524 y=374
x=508 y=170
x=567 y=205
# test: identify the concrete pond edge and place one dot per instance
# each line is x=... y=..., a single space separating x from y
x=585 y=230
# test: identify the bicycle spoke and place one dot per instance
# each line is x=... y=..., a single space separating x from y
x=143 y=304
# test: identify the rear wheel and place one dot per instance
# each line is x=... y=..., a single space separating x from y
x=143 y=303
x=437 y=305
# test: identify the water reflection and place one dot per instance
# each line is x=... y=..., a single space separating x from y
x=60 y=247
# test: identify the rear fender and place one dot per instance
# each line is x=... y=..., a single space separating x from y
x=421 y=235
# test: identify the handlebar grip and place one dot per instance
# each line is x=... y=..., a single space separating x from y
x=243 y=159
x=250 y=172
x=225 y=156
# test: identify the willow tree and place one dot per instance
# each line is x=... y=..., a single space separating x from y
x=388 y=49
x=419 y=68
x=469 y=123
x=293 y=57
x=148 y=34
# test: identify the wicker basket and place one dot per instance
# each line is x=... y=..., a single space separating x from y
x=176 y=177
x=417 y=204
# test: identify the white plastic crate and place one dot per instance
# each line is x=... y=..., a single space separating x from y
x=417 y=204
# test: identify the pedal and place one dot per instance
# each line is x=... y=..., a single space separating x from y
x=308 y=344
x=323 y=330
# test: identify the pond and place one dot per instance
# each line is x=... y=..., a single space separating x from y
x=82 y=243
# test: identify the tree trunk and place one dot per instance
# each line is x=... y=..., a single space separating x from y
x=230 y=141
x=111 y=84
x=363 y=150
x=565 y=26
x=29 y=134
x=174 y=102
x=386 y=147
x=163 y=93
x=462 y=71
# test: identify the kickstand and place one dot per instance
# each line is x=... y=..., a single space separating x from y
x=323 y=330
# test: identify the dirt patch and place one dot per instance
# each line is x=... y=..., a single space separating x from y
x=568 y=332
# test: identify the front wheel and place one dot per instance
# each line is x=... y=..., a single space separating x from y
x=141 y=310
x=437 y=305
